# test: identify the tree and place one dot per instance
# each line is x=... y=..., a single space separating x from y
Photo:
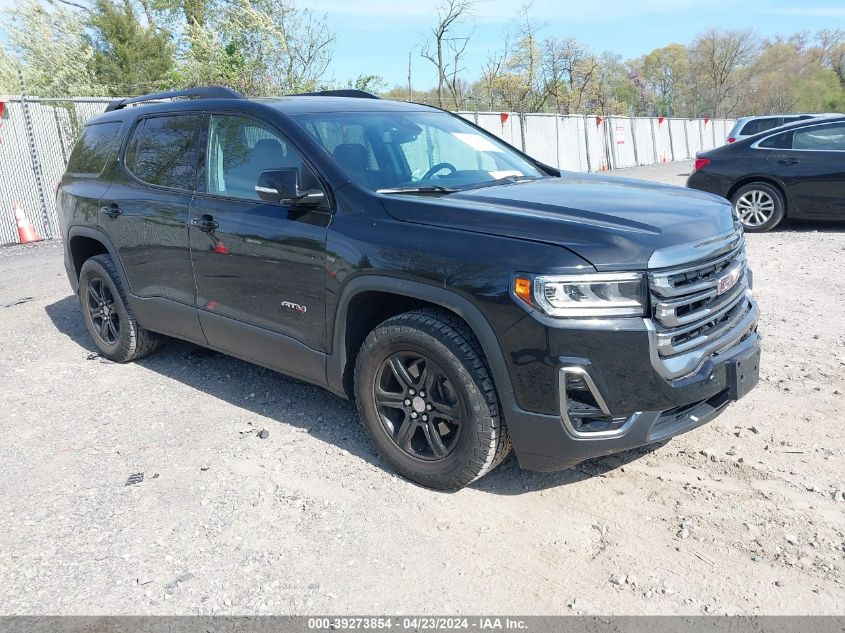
x=522 y=86
x=52 y=51
x=129 y=58
x=8 y=73
x=445 y=48
x=717 y=58
x=829 y=49
x=259 y=47
x=666 y=71
x=492 y=70
x=374 y=84
x=568 y=68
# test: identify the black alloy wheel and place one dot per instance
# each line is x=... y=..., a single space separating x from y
x=418 y=406
x=101 y=309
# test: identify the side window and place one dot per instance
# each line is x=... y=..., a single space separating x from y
x=778 y=141
x=239 y=149
x=830 y=138
x=92 y=150
x=163 y=151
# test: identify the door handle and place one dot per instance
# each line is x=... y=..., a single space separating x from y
x=112 y=210
x=205 y=223
x=789 y=161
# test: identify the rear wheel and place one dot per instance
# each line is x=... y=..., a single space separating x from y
x=427 y=400
x=759 y=206
x=109 y=320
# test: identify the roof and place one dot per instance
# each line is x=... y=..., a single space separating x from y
x=311 y=104
x=221 y=98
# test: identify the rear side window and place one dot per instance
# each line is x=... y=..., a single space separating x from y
x=93 y=148
x=760 y=125
x=163 y=151
x=778 y=141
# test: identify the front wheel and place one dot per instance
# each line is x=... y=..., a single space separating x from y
x=428 y=402
x=759 y=206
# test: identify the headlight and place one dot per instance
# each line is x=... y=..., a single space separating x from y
x=589 y=295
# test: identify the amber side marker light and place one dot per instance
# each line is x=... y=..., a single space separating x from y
x=522 y=288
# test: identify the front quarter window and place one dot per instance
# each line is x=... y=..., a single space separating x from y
x=405 y=150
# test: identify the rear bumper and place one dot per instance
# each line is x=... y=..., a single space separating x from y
x=547 y=442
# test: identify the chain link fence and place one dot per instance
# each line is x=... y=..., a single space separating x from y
x=36 y=137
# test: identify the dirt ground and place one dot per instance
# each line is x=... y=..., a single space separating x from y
x=744 y=515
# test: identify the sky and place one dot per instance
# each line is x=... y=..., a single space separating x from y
x=374 y=36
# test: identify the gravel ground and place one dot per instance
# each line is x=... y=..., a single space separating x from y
x=744 y=515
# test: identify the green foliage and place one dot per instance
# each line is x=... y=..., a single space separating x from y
x=51 y=48
x=374 y=84
x=260 y=47
x=129 y=57
x=8 y=73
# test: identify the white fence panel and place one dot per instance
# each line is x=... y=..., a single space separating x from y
x=572 y=148
x=541 y=135
x=623 y=150
x=694 y=136
x=677 y=139
x=643 y=135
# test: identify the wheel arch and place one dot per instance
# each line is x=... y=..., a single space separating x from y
x=368 y=300
x=85 y=242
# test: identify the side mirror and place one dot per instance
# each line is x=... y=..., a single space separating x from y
x=282 y=186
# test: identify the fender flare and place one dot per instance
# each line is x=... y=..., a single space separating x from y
x=450 y=300
x=100 y=236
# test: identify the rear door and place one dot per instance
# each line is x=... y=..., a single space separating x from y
x=259 y=266
x=145 y=212
x=810 y=161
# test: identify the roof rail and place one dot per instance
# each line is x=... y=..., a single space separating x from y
x=205 y=92
x=350 y=92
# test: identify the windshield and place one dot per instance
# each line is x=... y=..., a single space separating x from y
x=429 y=151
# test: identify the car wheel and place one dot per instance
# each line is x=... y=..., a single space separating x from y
x=109 y=320
x=759 y=206
x=428 y=402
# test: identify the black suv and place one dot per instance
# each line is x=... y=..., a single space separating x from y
x=466 y=296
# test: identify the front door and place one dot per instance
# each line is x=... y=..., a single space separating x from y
x=813 y=169
x=259 y=266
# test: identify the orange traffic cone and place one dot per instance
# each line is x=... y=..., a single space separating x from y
x=26 y=232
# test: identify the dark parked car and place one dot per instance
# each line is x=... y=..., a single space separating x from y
x=795 y=171
x=467 y=297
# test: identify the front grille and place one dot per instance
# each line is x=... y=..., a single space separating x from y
x=694 y=304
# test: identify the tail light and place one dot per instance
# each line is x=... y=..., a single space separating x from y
x=701 y=163
x=731 y=139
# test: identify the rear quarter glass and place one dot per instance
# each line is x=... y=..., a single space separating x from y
x=93 y=148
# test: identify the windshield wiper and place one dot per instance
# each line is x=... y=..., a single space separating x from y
x=419 y=189
x=506 y=180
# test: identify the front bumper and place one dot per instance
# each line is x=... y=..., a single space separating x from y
x=653 y=406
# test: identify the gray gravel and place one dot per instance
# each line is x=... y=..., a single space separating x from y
x=309 y=520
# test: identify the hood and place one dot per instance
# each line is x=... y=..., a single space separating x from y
x=614 y=223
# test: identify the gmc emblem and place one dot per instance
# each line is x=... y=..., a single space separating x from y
x=727 y=282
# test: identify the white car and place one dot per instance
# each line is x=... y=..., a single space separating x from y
x=751 y=125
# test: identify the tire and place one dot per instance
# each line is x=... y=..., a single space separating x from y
x=455 y=371
x=110 y=322
x=759 y=206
